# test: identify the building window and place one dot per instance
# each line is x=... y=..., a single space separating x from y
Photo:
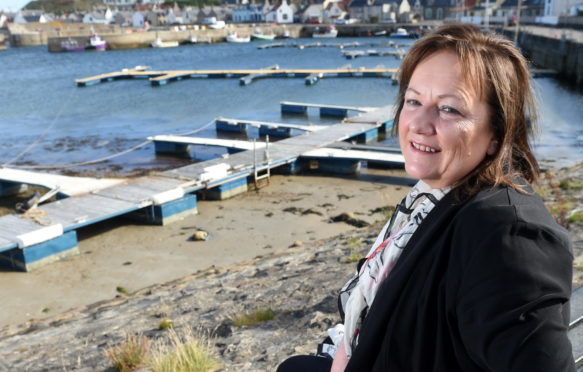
x=439 y=13
x=428 y=13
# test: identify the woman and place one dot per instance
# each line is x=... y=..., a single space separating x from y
x=471 y=273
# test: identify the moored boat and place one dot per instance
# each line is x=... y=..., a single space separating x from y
x=260 y=35
x=328 y=32
x=71 y=45
x=158 y=43
x=96 y=42
x=401 y=33
x=234 y=38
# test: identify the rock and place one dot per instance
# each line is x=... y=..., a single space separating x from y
x=349 y=219
x=199 y=235
x=297 y=243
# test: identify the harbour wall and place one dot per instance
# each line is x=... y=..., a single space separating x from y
x=52 y=34
x=552 y=48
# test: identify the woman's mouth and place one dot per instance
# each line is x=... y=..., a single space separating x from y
x=423 y=148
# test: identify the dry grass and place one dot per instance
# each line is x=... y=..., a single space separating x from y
x=188 y=354
x=131 y=354
x=253 y=318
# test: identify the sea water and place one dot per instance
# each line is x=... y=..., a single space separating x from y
x=46 y=120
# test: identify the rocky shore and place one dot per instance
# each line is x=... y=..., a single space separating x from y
x=299 y=284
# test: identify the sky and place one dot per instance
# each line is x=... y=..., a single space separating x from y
x=12 y=5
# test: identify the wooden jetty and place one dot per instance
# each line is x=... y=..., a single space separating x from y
x=158 y=78
x=318 y=44
x=341 y=111
x=265 y=127
x=352 y=54
x=66 y=185
x=48 y=232
x=175 y=144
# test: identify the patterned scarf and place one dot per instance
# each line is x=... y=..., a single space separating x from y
x=383 y=256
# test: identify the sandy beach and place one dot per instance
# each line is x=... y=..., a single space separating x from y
x=121 y=255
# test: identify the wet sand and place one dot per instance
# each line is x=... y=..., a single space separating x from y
x=122 y=255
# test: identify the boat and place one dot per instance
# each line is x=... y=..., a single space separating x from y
x=3 y=46
x=234 y=38
x=72 y=45
x=192 y=39
x=158 y=43
x=401 y=33
x=259 y=35
x=217 y=25
x=285 y=35
x=96 y=42
x=328 y=32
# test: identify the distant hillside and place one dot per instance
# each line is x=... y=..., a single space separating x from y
x=61 y=6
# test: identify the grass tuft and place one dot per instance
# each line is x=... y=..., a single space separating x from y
x=130 y=354
x=576 y=217
x=253 y=318
x=183 y=355
x=166 y=323
x=569 y=184
x=122 y=290
x=353 y=244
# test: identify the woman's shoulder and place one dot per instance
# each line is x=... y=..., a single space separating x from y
x=505 y=204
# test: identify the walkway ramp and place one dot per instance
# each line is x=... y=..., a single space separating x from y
x=68 y=186
x=269 y=124
x=380 y=115
x=238 y=145
x=376 y=157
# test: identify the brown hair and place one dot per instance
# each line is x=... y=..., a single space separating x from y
x=498 y=72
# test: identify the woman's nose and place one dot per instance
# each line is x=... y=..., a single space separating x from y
x=424 y=121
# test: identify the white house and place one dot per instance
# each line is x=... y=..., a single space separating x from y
x=280 y=13
x=31 y=16
x=3 y=20
x=334 y=9
x=314 y=13
x=99 y=17
x=138 y=19
x=557 y=8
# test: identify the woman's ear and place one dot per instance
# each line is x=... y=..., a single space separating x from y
x=492 y=147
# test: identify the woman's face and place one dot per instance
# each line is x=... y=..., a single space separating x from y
x=444 y=128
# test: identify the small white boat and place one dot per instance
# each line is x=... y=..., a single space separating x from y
x=401 y=33
x=328 y=32
x=234 y=38
x=158 y=43
x=96 y=42
x=260 y=35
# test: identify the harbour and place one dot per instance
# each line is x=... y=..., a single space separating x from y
x=164 y=197
x=243 y=132
x=236 y=124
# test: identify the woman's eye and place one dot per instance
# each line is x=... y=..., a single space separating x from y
x=449 y=110
x=412 y=102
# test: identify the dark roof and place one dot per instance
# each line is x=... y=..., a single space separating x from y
x=514 y=3
x=358 y=3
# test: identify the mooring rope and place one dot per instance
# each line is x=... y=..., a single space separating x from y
x=43 y=134
x=105 y=158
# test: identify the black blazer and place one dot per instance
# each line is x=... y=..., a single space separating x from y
x=483 y=285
